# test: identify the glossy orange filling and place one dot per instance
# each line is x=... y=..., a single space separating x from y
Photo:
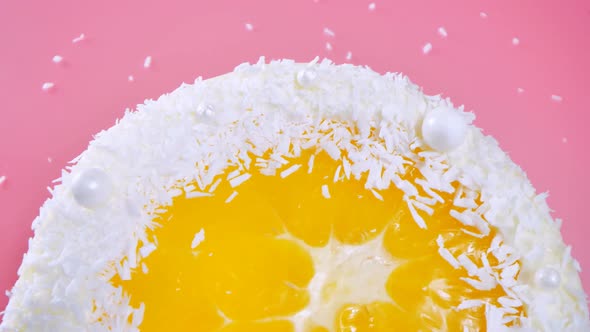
x=255 y=266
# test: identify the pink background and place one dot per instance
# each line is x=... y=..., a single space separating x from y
x=476 y=65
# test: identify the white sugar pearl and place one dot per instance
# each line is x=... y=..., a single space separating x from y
x=91 y=187
x=306 y=77
x=443 y=129
x=548 y=277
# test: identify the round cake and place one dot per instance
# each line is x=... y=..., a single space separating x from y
x=296 y=197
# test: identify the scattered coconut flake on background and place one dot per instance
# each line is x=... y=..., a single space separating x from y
x=47 y=86
x=147 y=62
x=483 y=15
x=57 y=58
x=515 y=41
x=130 y=78
x=329 y=32
x=556 y=98
x=2 y=179
x=349 y=55
x=520 y=90
x=328 y=46
x=249 y=26
x=78 y=39
x=442 y=32
x=427 y=48
x=372 y=6
x=49 y=160
x=564 y=140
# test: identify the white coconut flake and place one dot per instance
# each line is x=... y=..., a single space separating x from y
x=515 y=41
x=564 y=140
x=427 y=48
x=372 y=6
x=2 y=179
x=520 y=90
x=326 y=191
x=195 y=194
x=442 y=32
x=199 y=237
x=556 y=98
x=249 y=26
x=417 y=218
x=147 y=62
x=469 y=304
x=310 y=164
x=328 y=32
x=130 y=78
x=57 y=59
x=290 y=170
x=47 y=86
x=238 y=180
x=377 y=194
x=328 y=46
x=214 y=185
x=231 y=197
x=483 y=15
x=348 y=56
x=147 y=249
x=78 y=39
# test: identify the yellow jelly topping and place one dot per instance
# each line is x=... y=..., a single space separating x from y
x=282 y=256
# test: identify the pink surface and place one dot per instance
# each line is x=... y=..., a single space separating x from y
x=476 y=65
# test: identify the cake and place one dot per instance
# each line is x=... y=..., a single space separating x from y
x=303 y=197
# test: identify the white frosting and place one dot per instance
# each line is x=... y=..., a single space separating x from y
x=151 y=152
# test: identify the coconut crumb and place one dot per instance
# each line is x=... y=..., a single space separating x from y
x=483 y=15
x=47 y=86
x=349 y=55
x=372 y=6
x=249 y=26
x=515 y=41
x=519 y=90
x=326 y=191
x=195 y=194
x=147 y=62
x=238 y=180
x=564 y=140
x=78 y=39
x=231 y=197
x=427 y=48
x=328 y=46
x=49 y=160
x=199 y=237
x=130 y=78
x=443 y=32
x=329 y=32
x=290 y=171
x=2 y=179
x=556 y=98
x=57 y=59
